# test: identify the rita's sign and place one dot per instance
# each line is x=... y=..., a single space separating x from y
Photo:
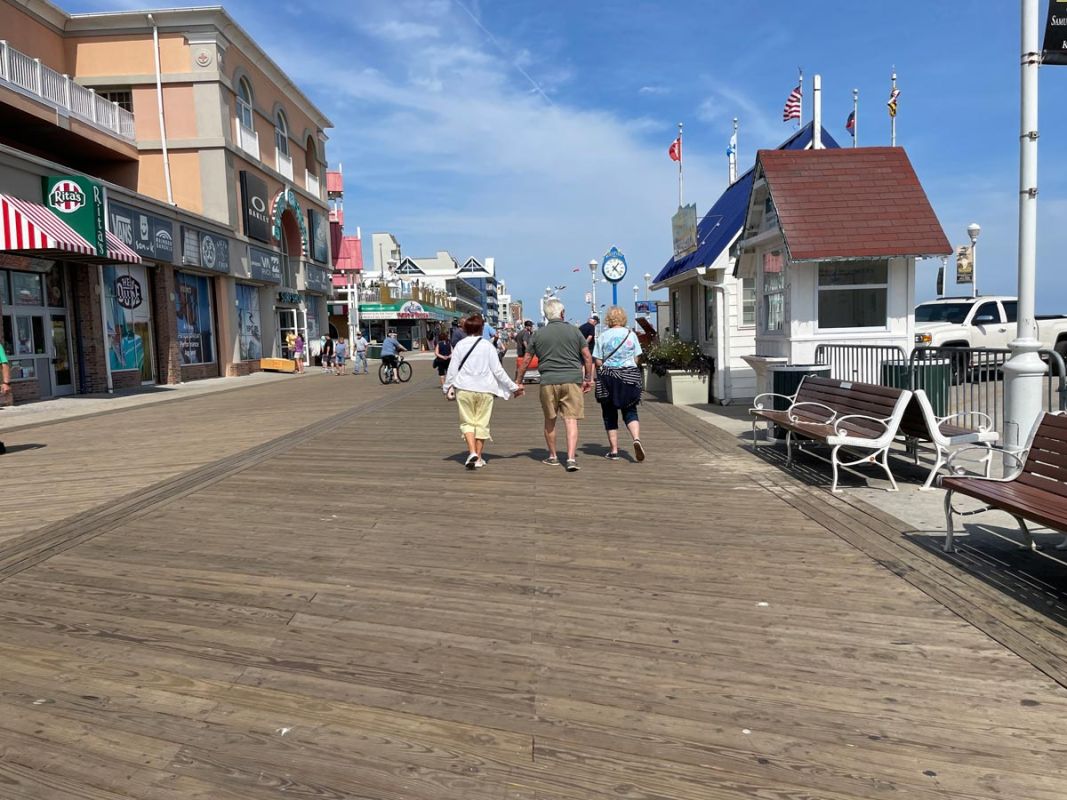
x=79 y=202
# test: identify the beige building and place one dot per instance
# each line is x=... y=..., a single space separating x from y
x=184 y=121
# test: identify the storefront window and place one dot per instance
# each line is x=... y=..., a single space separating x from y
x=773 y=291
x=29 y=336
x=248 y=327
x=196 y=329
x=129 y=319
x=26 y=289
x=23 y=370
x=5 y=291
x=53 y=287
x=748 y=301
x=852 y=294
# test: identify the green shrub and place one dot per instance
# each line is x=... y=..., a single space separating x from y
x=673 y=353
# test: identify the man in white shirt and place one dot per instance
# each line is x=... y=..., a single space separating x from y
x=359 y=354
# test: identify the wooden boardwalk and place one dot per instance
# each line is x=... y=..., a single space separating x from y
x=310 y=597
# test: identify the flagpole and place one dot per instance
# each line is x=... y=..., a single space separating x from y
x=855 y=117
x=893 y=117
x=733 y=154
x=679 y=165
x=800 y=120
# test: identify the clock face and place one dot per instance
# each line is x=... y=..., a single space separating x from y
x=614 y=269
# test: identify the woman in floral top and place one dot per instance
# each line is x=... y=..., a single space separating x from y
x=619 y=382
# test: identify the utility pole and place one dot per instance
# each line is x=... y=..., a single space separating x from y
x=1024 y=371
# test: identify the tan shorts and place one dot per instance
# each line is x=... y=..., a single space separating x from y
x=475 y=411
x=563 y=400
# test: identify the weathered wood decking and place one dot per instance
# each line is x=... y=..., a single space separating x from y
x=310 y=597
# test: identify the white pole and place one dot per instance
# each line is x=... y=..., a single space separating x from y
x=816 y=119
x=159 y=103
x=893 y=117
x=680 y=154
x=855 y=117
x=800 y=83
x=733 y=154
x=1024 y=371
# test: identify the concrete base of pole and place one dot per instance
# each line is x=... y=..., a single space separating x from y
x=1024 y=375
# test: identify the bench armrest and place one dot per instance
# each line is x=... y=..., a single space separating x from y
x=842 y=432
x=757 y=401
x=957 y=471
x=983 y=426
x=794 y=418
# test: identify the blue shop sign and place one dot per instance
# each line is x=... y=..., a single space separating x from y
x=151 y=237
x=264 y=265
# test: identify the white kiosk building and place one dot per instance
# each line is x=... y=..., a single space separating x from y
x=830 y=240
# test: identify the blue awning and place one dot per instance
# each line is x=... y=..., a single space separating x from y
x=725 y=219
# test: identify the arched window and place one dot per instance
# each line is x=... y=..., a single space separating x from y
x=311 y=156
x=281 y=133
x=244 y=104
x=287 y=275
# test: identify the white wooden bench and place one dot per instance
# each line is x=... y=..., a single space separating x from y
x=839 y=414
x=920 y=423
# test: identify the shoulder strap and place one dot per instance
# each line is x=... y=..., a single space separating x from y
x=625 y=339
x=464 y=361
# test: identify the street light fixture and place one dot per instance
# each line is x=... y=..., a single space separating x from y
x=648 y=283
x=593 y=264
x=972 y=231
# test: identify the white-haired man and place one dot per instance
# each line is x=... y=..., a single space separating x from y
x=566 y=369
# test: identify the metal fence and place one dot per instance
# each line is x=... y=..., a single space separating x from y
x=956 y=379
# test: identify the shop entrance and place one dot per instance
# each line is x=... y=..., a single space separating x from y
x=36 y=334
x=292 y=321
x=62 y=374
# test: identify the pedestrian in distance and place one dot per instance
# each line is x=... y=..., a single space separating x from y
x=5 y=387
x=522 y=343
x=298 y=352
x=340 y=356
x=326 y=353
x=391 y=348
x=588 y=329
x=474 y=380
x=457 y=334
x=359 y=354
x=566 y=368
x=442 y=356
x=619 y=382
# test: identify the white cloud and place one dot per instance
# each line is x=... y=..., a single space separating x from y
x=403 y=31
x=653 y=90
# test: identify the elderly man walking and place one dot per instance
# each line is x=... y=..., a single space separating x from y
x=566 y=369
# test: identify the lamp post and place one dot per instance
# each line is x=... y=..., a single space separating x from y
x=1024 y=371
x=637 y=291
x=648 y=283
x=972 y=231
x=593 y=264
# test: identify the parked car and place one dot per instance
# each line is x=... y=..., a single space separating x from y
x=981 y=322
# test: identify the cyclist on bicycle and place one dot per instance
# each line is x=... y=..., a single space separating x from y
x=390 y=349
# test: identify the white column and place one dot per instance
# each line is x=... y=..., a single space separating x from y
x=1024 y=371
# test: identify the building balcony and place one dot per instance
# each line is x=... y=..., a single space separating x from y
x=311 y=183
x=246 y=139
x=285 y=165
x=29 y=76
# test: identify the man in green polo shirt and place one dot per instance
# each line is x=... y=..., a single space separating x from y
x=5 y=386
x=566 y=375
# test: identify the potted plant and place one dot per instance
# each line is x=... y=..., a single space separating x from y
x=684 y=367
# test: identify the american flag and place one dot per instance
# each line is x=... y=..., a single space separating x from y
x=792 y=105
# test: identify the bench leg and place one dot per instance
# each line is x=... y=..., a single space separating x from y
x=940 y=462
x=884 y=464
x=988 y=460
x=949 y=532
x=1028 y=540
x=788 y=447
x=833 y=464
x=755 y=434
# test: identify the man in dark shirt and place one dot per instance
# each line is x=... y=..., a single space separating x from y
x=589 y=331
x=522 y=343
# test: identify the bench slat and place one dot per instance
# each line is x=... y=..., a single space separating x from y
x=1031 y=503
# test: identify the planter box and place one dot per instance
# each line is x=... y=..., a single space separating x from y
x=654 y=384
x=684 y=389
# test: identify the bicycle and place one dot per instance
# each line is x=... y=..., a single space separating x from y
x=403 y=371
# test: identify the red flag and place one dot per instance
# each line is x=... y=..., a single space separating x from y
x=675 y=151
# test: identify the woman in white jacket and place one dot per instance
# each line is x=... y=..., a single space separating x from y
x=475 y=379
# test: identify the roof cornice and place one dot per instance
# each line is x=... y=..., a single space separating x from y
x=195 y=20
x=46 y=13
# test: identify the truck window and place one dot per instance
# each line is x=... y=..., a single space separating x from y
x=953 y=313
x=1011 y=310
x=987 y=314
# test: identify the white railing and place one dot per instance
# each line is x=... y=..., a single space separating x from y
x=285 y=165
x=311 y=183
x=33 y=77
x=247 y=140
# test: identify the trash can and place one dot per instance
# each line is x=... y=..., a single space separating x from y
x=932 y=375
x=785 y=380
x=374 y=351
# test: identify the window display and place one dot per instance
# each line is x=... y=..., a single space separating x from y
x=129 y=319
x=26 y=289
x=248 y=327
x=196 y=324
x=853 y=294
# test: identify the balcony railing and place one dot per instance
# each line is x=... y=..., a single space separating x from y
x=311 y=183
x=32 y=77
x=246 y=138
x=285 y=165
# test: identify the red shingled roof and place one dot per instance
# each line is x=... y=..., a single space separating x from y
x=863 y=202
x=350 y=256
x=335 y=182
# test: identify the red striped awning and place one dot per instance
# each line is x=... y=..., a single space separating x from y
x=32 y=229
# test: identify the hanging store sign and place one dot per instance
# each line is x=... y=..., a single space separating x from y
x=264 y=265
x=254 y=198
x=151 y=237
x=412 y=310
x=319 y=231
x=79 y=202
x=684 y=230
x=1054 y=49
x=964 y=264
x=316 y=279
x=206 y=250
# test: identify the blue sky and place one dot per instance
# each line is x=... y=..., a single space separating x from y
x=536 y=132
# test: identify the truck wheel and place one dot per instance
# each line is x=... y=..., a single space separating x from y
x=1061 y=349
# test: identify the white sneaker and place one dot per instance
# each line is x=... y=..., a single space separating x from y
x=479 y=463
x=472 y=461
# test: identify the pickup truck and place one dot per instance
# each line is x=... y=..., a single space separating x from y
x=981 y=322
